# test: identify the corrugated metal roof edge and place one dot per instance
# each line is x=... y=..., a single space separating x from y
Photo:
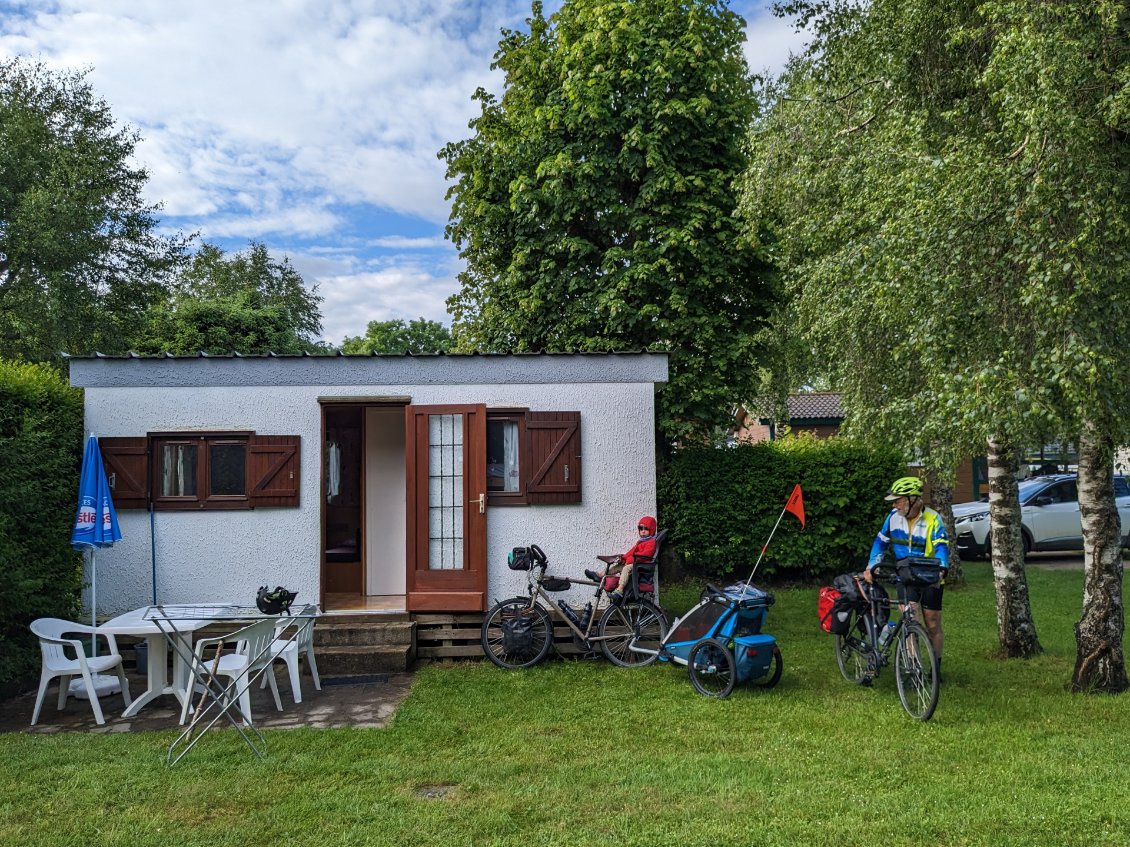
x=339 y=355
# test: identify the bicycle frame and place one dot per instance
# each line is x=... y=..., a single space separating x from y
x=586 y=635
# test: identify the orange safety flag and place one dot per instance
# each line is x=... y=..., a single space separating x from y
x=796 y=504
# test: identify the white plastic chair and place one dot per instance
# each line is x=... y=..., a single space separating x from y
x=56 y=663
x=252 y=653
x=290 y=650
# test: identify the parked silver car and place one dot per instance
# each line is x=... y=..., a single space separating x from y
x=1049 y=513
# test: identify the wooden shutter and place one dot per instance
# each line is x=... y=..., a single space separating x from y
x=553 y=456
x=127 y=469
x=272 y=470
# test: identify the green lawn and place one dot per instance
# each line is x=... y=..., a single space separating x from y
x=581 y=752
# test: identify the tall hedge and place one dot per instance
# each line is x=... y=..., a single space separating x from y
x=40 y=456
x=721 y=504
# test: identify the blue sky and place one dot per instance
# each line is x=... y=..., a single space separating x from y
x=309 y=125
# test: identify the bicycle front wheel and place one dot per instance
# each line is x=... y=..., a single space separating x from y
x=516 y=633
x=852 y=651
x=635 y=623
x=916 y=671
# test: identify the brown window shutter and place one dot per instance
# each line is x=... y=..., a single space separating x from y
x=127 y=470
x=272 y=470
x=553 y=456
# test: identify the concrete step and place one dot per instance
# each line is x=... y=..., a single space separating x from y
x=349 y=634
x=354 y=661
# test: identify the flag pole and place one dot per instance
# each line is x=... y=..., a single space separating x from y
x=764 y=547
x=796 y=495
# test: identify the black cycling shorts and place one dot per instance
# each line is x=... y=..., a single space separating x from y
x=929 y=596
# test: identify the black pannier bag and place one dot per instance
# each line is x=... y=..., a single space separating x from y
x=520 y=559
x=518 y=631
x=855 y=595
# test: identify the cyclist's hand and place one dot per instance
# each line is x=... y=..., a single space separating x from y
x=868 y=576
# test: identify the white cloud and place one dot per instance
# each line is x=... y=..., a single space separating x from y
x=405 y=292
x=770 y=41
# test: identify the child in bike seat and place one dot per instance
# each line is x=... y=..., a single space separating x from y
x=642 y=550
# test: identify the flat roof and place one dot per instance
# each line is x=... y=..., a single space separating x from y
x=167 y=371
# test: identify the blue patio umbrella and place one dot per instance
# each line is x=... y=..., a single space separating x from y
x=96 y=522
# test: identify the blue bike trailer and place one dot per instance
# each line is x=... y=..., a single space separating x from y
x=736 y=612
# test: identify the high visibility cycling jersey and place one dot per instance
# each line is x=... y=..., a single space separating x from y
x=926 y=538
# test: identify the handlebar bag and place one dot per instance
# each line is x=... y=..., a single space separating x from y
x=520 y=559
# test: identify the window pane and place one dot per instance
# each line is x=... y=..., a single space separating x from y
x=445 y=492
x=502 y=456
x=227 y=469
x=178 y=470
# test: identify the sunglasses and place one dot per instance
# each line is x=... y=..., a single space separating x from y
x=641 y=526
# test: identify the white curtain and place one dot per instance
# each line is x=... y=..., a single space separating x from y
x=510 y=456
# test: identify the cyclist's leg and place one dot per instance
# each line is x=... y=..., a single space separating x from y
x=932 y=618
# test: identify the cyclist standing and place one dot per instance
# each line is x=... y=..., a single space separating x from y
x=913 y=529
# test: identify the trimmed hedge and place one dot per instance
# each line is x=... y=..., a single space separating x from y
x=40 y=457
x=721 y=504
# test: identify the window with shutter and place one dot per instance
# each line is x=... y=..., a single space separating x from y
x=553 y=450
x=273 y=465
x=127 y=470
x=193 y=471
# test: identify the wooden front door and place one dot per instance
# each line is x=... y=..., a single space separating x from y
x=446 y=514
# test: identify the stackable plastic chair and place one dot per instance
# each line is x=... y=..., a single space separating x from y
x=290 y=650
x=56 y=663
x=252 y=654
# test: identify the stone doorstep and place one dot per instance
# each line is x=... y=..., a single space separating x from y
x=355 y=661
x=341 y=634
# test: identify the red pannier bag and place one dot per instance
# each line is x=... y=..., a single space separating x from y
x=824 y=603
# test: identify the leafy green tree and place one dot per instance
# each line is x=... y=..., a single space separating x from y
x=394 y=337
x=80 y=258
x=946 y=184
x=594 y=203
x=245 y=303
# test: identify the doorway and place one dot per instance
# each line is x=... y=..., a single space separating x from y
x=363 y=507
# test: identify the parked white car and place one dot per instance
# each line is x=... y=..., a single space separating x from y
x=1049 y=513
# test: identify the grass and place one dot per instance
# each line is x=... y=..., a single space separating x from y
x=584 y=753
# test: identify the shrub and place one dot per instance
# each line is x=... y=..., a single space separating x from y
x=40 y=456
x=722 y=503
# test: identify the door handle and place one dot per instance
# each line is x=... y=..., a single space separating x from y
x=482 y=504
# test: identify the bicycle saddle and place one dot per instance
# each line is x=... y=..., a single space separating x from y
x=608 y=560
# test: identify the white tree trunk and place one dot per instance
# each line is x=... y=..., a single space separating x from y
x=1015 y=626
x=1099 y=663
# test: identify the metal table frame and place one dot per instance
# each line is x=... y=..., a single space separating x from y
x=218 y=698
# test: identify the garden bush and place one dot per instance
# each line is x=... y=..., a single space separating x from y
x=40 y=456
x=721 y=504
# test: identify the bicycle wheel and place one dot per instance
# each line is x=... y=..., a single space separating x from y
x=516 y=634
x=916 y=671
x=774 y=675
x=852 y=651
x=711 y=668
x=638 y=622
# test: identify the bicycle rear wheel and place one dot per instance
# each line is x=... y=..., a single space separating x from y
x=916 y=671
x=638 y=623
x=516 y=634
x=853 y=652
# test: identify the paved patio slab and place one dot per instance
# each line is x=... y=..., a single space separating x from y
x=360 y=702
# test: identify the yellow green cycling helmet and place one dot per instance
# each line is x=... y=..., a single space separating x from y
x=905 y=486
